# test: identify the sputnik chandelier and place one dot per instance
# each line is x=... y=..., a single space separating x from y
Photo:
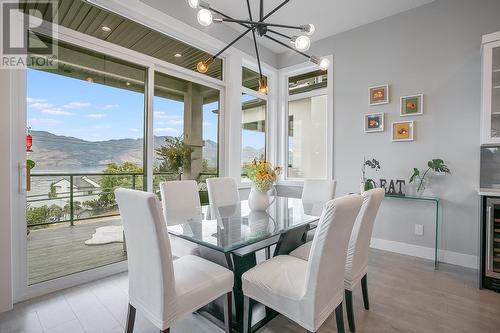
x=299 y=43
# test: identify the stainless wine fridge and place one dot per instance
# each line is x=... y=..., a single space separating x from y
x=491 y=244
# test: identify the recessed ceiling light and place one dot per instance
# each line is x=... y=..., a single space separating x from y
x=127 y=84
x=89 y=79
x=105 y=28
x=177 y=55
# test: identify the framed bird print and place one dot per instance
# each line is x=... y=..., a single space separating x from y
x=412 y=105
x=374 y=122
x=402 y=130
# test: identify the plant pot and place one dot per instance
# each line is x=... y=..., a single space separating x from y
x=260 y=201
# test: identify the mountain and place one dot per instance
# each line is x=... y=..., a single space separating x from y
x=53 y=152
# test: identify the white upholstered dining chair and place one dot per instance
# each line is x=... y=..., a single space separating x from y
x=162 y=289
x=315 y=193
x=356 y=266
x=222 y=191
x=180 y=201
x=307 y=292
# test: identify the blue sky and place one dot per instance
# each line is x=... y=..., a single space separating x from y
x=95 y=112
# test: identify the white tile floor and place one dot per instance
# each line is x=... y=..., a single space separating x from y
x=98 y=307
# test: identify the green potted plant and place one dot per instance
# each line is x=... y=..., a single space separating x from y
x=176 y=155
x=368 y=183
x=420 y=177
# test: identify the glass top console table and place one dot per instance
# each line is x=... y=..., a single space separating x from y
x=437 y=202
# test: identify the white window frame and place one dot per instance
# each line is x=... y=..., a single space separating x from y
x=270 y=134
x=21 y=289
x=285 y=98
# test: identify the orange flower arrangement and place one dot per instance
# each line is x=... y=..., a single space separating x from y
x=262 y=174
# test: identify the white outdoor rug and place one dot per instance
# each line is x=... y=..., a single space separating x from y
x=106 y=235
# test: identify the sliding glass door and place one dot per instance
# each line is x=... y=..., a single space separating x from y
x=86 y=123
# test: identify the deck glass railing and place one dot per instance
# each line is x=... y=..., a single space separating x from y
x=70 y=197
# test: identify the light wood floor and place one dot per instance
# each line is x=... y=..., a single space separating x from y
x=406 y=295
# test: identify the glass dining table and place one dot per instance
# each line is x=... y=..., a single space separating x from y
x=234 y=236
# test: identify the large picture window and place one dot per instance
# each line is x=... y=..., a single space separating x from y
x=253 y=130
x=185 y=123
x=307 y=126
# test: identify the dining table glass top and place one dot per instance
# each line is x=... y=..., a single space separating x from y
x=236 y=226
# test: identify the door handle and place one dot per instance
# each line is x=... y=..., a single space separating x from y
x=489 y=240
x=21 y=176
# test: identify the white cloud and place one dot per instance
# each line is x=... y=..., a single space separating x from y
x=34 y=122
x=108 y=106
x=56 y=112
x=102 y=127
x=40 y=105
x=135 y=130
x=31 y=100
x=76 y=105
x=96 y=115
x=162 y=115
x=171 y=122
x=167 y=131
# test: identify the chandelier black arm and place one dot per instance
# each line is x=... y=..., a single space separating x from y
x=288 y=46
x=261 y=20
x=279 y=33
x=274 y=10
x=232 y=43
x=261 y=11
x=254 y=38
x=258 y=23
x=227 y=16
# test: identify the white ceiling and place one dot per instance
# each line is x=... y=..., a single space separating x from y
x=330 y=17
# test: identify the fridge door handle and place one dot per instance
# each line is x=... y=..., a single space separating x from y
x=489 y=240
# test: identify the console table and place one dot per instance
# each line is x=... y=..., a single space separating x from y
x=437 y=202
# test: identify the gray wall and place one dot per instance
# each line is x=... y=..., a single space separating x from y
x=435 y=50
x=180 y=10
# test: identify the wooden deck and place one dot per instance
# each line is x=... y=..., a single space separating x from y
x=58 y=251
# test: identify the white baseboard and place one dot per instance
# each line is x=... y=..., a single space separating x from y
x=450 y=257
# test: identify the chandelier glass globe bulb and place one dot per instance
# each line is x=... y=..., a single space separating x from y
x=310 y=29
x=302 y=43
x=324 y=63
x=204 y=17
x=193 y=3
x=202 y=67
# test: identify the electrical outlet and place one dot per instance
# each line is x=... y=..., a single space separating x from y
x=419 y=229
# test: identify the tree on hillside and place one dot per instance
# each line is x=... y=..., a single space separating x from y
x=44 y=214
x=77 y=209
x=175 y=154
x=110 y=183
x=52 y=193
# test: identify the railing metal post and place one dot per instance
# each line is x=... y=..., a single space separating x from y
x=133 y=181
x=71 y=206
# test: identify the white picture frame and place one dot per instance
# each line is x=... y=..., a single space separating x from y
x=410 y=128
x=419 y=105
x=374 y=100
x=370 y=128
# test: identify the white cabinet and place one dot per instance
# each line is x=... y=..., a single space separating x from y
x=490 y=113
